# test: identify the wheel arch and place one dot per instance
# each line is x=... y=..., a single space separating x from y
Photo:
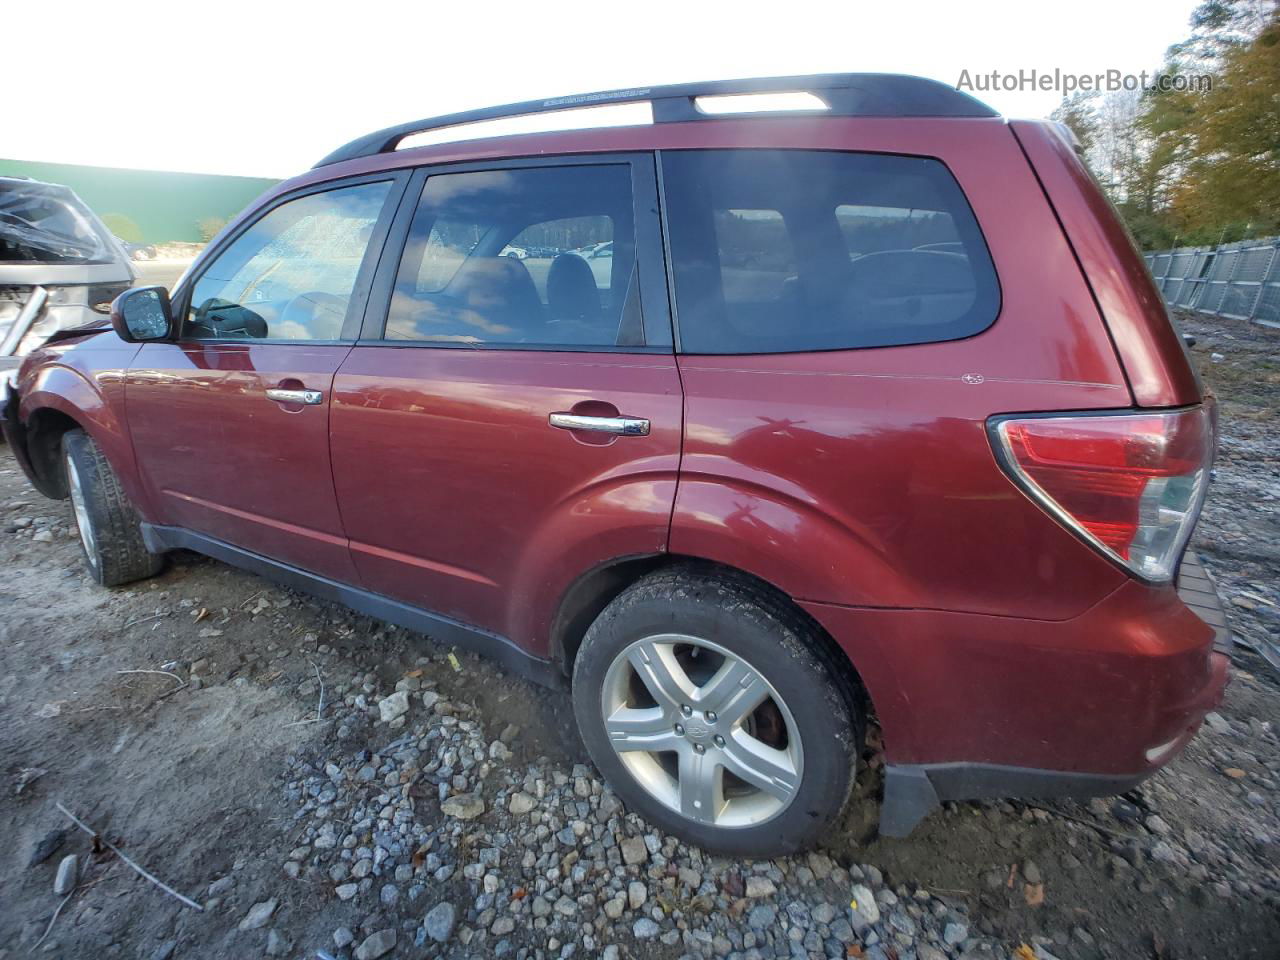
x=596 y=589
x=59 y=397
x=45 y=428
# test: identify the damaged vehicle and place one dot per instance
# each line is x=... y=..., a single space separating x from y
x=802 y=418
x=60 y=267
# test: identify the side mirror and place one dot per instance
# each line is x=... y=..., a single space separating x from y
x=142 y=314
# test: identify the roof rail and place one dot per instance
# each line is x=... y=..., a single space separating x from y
x=845 y=94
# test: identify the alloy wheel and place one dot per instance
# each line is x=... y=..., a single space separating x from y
x=702 y=730
x=80 y=509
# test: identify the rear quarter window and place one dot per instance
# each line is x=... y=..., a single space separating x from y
x=784 y=251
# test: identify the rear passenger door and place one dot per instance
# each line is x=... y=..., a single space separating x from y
x=511 y=416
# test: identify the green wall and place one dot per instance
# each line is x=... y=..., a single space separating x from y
x=163 y=206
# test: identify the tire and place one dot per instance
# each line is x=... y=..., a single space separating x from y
x=735 y=644
x=110 y=532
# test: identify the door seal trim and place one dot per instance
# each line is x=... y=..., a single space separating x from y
x=441 y=629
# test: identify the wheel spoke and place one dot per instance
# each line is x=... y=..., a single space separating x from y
x=701 y=786
x=761 y=765
x=645 y=728
x=662 y=674
x=733 y=692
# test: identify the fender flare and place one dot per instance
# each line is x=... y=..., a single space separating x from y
x=67 y=391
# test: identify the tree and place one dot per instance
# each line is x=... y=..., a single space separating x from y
x=1182 y=161
x=1079 y=114
x=209 y=227
x=1233 y=179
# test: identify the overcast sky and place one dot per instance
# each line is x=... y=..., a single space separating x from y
x=266 y=89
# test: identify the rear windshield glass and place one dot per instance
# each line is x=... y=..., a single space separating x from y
x=780 y=251
x=39 y=224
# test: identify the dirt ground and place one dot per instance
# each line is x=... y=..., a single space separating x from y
x=197 y=766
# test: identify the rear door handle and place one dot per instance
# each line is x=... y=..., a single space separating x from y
x=309 y=397
x=619 y=426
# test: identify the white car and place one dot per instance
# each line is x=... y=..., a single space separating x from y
x=60 y=267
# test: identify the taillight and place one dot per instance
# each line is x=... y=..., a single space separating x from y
x=1130 y=484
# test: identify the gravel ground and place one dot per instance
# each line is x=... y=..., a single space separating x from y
x=324 y=785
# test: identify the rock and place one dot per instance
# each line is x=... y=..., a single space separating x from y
x=390 y=708
x=760 y=887
x=65 y=881
x=258 y=915
x=1157 y=826
x=342 y=936
x=634 y=851
x=389 y=894
x=645 y=929
x=521 y=803
x=221 y=885
x=464 y=806
x=955 y=933
x=165 y=950
x=613 y=908
x=1217 y=722
x=347 y=891
x=637 y=894
x=1163 y=853
x=47 y=847
x=277 y=945
x=1031 y=871
x=864 y=912
x=377 y=945
x=441 y=921
x=821 y=865
x=502 y=926
x=42 y=536
x=762 y=917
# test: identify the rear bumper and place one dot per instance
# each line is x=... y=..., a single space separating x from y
x=977 y=706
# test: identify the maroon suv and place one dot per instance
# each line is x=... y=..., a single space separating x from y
x=742 y=428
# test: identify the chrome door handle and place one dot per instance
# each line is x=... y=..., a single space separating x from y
x=621 y=426
x=309 y=397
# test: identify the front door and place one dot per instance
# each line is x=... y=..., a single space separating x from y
x=230 y=423
x=513 y=417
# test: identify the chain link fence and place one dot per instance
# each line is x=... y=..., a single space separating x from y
x=1239 y=280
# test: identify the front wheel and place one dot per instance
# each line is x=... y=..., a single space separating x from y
x=707 y=705
x=109 y=529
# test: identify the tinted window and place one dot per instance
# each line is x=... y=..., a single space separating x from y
x=291 y=274
x=781 y=251
x=542 y=256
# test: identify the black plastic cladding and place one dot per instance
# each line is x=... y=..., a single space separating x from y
x=846 y=95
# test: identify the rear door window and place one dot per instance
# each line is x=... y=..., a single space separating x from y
x=521 y=257
x=779 y=251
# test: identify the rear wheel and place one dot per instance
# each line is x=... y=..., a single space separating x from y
x=707 y=705
x=110 y=532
